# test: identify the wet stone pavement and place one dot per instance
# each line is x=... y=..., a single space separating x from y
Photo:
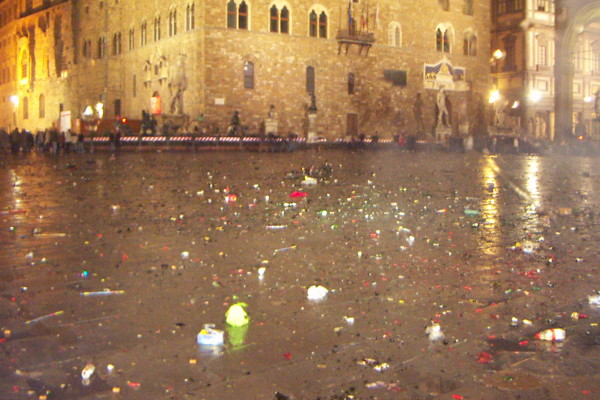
x=111 y=266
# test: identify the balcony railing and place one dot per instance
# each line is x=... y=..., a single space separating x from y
x=346 y=37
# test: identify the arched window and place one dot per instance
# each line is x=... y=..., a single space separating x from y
x=190 y=21
x=317 y=23
x=24 y=65
x=231 y=14
x=350 y=83
x=469 y=44
x=157 y=28
x=285 y=20
x=243 y=16
x=248 y=75
x=117 y=44
x=131 y=39
x=310 y=80
x=279 y=19
x=395 y=34
x=274 y=19
x=101 y=47
x=144 y=34
x=173 y=22
x=25 y=108
x=443 y=35
x=42 y=106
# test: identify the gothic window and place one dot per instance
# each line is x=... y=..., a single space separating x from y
x=231 y=14
x=274 y=19
x=156 y=28
x=25 y=108
x=279 y=19
x=173 y=23
x=470 y=44
x=395 y=34
x=248 y=75
x=102 y=47
x=117 y=44
x=144 y=34
x=323 y=25
x=312 y=24
x=350 y=83
x=443 y=39
x=310 y=80
x=189 y=17
x=468 y=7
x=42 y=106
x=445 y=4
x=285 y=20
x=131 y=39
x=24 y=65
x=243 y=16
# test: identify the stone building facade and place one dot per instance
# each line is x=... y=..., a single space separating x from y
x=364 y=61
x=525 y=71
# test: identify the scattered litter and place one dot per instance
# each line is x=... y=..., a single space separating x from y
x=471 y=212
x=209 y=336
x=261 y=272
x=296 y=194
x=13 y=212
x=185 y=255
x=283 y=249
x=349 y=320
x=43 y=317
x=237 y=315
x=110 y=368
x=105 y=292
x=553 y=335
x=594 y=300
x=317 y=292
x=376 y=365
x=86 y=373
x=275 y=227
x=434 y=333
x=308 y=181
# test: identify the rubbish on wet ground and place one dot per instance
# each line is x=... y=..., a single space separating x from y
x=349 y=320
x=434 y=333
x=565 y=211
x=380 y=384
x=43 y=317
x=284 y=249
x=471 y=212
x=185 y=255
x=281 y=396
x=230 y=198
x=105 y=292
x=552 y=335
x=297 y=194
x=308 y=181
x=236 y=315
x=261 y=272
x=484 y=357
x=594 y=300
x=210 y=336
x=110 y=369
x=39 y=234
x=275 y=227
x=317 y=292
x=376 y=365
x=86 y=373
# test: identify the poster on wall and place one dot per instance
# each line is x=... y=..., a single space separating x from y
x=65 y=121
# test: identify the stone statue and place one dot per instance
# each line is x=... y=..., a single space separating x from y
x=442 y=108
x=418 y=114
x=271 y=122
x=177 y=85
x=500 y=106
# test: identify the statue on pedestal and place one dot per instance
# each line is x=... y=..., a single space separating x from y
x=177 y=85
x=442 y=108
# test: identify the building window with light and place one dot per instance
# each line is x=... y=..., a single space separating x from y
x=395 y=34
x=117 y=44
x=24 y=65
x=156 y=28
x=543 y=55
x=102 y=47
x=131 y=39
x=470 y=44
x=443 y=38
x=237 y=15
x=248 y=75
x=189 y=17
x=509 y=53
x=42 y=106
x=144 y=34
x=173 y=22
x=317 y=22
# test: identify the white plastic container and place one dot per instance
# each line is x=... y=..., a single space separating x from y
x=553 y=335
x=210 y=336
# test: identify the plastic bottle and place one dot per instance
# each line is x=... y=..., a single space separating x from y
x=554 y=335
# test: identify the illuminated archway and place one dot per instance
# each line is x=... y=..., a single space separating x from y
x=156 y=104
x=567 y=30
